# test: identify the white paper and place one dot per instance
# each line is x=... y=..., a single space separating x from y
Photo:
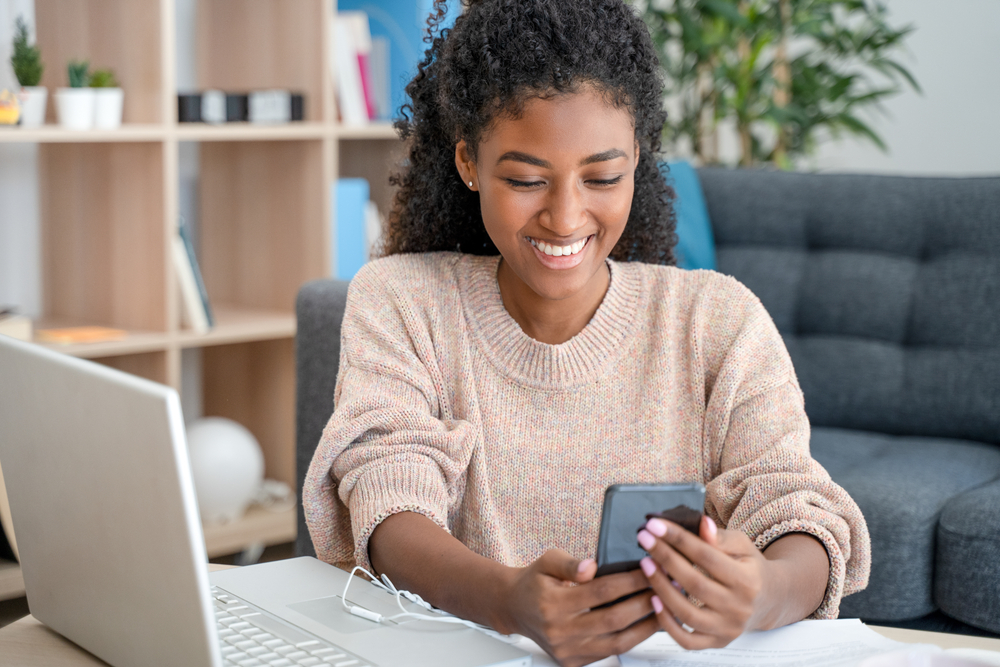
x=804 y=644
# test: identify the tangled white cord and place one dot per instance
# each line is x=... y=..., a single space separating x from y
x=387 y=585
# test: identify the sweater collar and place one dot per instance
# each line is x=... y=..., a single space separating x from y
x=584 y=358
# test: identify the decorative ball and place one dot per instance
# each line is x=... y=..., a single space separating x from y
x=227 y=466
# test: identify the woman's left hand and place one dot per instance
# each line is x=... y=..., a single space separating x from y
x=733 y=580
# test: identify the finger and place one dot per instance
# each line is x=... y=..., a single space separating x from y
x=677 y=567
x=709 y=531
x=560 y=565
x=696 y=550
x=616 y=643
x=602 y=590
x=691 y=641
x=704 y=619
x=617 y=616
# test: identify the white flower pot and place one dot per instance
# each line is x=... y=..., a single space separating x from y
x=33 y=99
x=108 y=103
x=76 y=108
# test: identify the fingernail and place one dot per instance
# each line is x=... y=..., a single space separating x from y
x=648 y=566
x=584 y=564
x=657 y=527
x=646 y=540
x=712 y=528
x=657 y=604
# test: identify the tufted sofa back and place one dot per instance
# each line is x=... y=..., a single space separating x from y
x=886 y=290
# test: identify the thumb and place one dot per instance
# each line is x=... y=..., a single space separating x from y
x=709 y=531
x=560 y=565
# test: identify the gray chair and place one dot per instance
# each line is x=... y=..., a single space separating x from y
x=887 y=291
x=319 y=309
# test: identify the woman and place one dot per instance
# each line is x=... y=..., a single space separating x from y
x=525 y=343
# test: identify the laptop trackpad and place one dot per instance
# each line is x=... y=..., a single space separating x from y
x=330 y=612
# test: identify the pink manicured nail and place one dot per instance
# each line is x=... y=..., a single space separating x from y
x=657 y=604
x=646 y=541
x=648 y=566
x=712 y=528
x=657 y=527
x=584 y=564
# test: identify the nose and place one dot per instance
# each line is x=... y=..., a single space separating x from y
x=564 y=212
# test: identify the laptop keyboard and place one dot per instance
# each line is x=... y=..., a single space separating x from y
x=250 y=638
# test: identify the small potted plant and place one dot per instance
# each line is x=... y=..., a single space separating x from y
x=76 y=103
x=28 y=68
x=108 y=99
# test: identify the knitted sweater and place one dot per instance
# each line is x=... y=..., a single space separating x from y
x=445 y=407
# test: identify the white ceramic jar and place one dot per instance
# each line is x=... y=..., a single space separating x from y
x=108 y=104
x=76 y=108
x=33 y=99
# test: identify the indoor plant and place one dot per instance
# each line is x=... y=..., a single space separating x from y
x=108 y=99
x=785 y=73
x=28 y=67
x=76 y=103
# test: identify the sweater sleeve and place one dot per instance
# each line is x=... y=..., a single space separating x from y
x=387 y=447
x=763 y=480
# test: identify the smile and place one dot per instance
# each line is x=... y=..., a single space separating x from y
x=559 y=250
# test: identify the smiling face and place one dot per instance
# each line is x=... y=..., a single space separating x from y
x=555 y=188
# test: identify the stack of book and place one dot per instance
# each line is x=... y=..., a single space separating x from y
x=360 y=70
x=356 y=226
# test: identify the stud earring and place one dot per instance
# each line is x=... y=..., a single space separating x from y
x=470 y=184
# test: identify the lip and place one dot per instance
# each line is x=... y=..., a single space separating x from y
x=561 y=263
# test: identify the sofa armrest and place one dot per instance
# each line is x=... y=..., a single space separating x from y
x=319 y=309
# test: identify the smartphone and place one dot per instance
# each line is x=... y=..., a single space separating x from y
x=627 y=507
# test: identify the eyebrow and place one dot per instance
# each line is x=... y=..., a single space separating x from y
x=518 y=156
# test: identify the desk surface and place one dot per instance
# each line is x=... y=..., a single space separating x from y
x=29 y=642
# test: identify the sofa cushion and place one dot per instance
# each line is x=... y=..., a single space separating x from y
x=886 y=290
x=319 y=310
x=966 y=585
x=901 y=485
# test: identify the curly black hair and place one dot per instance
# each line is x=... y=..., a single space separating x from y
x=499 y=54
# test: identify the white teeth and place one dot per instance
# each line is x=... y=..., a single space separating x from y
x=558 y=250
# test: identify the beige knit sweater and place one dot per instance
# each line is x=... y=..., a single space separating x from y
x=445 y=407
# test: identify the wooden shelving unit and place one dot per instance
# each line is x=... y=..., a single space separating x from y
x=109 y=206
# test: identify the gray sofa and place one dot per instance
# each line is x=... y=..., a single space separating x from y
x=887 y=291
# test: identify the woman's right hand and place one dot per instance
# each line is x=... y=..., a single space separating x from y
x=554 y=602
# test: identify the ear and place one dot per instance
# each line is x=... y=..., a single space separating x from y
x=466 y=165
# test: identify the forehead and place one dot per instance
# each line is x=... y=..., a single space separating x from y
x=571 y=125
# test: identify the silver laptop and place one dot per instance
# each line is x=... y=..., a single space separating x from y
x=112 y=552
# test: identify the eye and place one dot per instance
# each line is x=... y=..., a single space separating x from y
x=523 y=184
x=606 y=182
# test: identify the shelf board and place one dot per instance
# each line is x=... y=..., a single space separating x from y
x=136 y=132
x=11 y=580
x=250 y=131
x=258 y=525
x=241 y=325
x=137 y=342
x=380 y=130
x=232 y=325
x=54 y=134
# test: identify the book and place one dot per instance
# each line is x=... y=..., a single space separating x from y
x=350 y=235
x=403 y=23
x=350 y=92
x=199 y=281
x=192 y=309
x=85 y=334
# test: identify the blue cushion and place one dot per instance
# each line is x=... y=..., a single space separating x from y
x=695 y=244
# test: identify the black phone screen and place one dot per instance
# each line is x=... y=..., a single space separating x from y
x=626 y=507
